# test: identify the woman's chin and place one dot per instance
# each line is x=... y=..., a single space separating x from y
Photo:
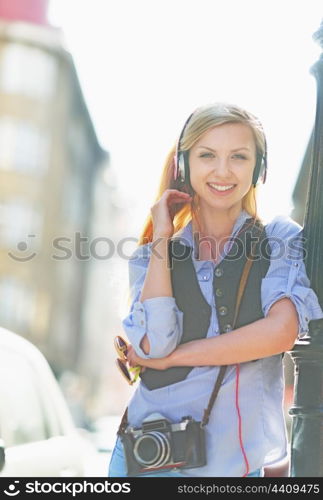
x=222 y=205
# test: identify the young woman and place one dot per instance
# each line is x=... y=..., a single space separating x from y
x=192 y=312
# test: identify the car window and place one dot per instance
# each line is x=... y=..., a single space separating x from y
x=21 y=413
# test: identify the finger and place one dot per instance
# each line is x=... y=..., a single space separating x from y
x=175 y=192
x=172 y=190
x=130 y=351
x=180 y=195
x=133 y=359
x=177 y=201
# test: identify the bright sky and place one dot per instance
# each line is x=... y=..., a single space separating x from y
x=145 y=65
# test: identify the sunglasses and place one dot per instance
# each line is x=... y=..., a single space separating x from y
x=131 y=374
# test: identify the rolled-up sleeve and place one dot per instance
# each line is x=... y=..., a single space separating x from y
x=286 y=276
x=158 y=317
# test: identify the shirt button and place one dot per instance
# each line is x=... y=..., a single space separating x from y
x=219 y=292
x=223 y=311
x=218 y=272
x=142 y=322
x=228 y=328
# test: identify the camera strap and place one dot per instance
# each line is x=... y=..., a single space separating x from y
x=242 y=286
x=123 y=424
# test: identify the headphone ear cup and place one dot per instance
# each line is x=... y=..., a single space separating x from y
x=259 y=170
x=188 y=184
x=181 y=174
x=263 y=169
x=256 y=170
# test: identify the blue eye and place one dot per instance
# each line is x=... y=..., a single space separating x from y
x=241 y=157
x=206 y=155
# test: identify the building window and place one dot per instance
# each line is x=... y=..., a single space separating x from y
x=17 y=303
x=27 y=71
x=74 y=200
x=20 y=227
x=23 y=146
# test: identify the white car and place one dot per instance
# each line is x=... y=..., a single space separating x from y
x=37 y=434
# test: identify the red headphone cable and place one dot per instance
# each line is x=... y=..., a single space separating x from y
x=240 y=422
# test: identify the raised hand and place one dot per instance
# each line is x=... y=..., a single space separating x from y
x=165 y=209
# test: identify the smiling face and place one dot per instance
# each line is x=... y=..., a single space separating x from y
x=221 y=166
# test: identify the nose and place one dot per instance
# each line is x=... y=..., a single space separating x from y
x=222 y=167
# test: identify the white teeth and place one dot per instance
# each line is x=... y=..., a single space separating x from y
x=221 y=188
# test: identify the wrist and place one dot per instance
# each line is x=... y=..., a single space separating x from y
x=168 y=361
x=161 y=237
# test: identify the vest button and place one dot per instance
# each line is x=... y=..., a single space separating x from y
x=223 y=311
x=228 y=328
x=218 y=272
x=219 y=292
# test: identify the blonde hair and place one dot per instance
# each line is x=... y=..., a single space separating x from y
x=203 y=119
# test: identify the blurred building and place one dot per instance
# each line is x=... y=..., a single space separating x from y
x=106 y=299
x=51 y=166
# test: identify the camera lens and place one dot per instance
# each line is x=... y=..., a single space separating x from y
x=152 y=449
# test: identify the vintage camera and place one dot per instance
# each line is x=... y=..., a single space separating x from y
x=160 y=444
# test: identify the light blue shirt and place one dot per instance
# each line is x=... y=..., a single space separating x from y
x=261 y=383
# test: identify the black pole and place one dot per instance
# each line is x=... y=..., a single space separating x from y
x=307 y=354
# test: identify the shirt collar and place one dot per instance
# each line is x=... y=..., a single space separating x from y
x=185 y=235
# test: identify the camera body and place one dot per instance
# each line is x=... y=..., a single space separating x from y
x=160 y=445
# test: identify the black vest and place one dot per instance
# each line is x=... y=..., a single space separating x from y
x=226 y=277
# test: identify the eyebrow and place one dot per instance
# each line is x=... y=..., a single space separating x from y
x=236 y=149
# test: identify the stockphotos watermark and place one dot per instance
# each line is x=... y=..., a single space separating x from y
x=43 y=487
x=102 y=248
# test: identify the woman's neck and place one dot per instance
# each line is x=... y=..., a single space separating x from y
x=215 y=224
x=211 y=231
